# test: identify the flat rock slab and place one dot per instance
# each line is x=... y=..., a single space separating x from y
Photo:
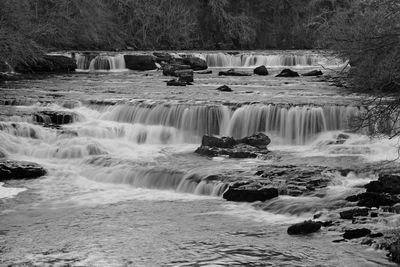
x=10 y=170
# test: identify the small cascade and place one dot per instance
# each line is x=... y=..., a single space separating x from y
x=292 y=124
x=100 y=62
x=156 y=178
x=252 y=60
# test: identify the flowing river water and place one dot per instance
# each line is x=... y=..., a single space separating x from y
x=120 y=189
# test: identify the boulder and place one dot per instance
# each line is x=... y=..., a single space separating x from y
x=351 y=213
x=304 y=228
x=232 y=72
x=356 y=233
x=387 y=183
x=287 y=73
x=170 y=69
x=259 y=140
x=224 y=88
x=185 y=75
x=49 y=64
x=261 y=70
x=243 y=194
x=313 y=73
x=175 y=82
x=54 y=117
x=195 y=63
x=20 y=170
x=140 y=62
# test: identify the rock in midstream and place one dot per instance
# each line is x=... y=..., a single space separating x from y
x=10 y=170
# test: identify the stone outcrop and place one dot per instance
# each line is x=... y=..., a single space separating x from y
x=304 y=228
x=140 y=62
x=351 y=213
x=387 y=183
x=171 y=69
x=20 y=170
x=48 y=64
x=288 y=73
x=175 y=82
x=227 y=146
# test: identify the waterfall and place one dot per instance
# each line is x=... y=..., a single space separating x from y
x=292 y=124
x=100 y=62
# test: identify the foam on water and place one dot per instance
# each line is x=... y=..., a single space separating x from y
x=9 y=192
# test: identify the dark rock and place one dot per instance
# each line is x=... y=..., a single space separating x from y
x=259 y=140
x=54 y=117
x=227 y=146
x=287 y=73
x=205 y=72
x=313 y=73
x=162 y=57
x=232 y=72
x=356 y=233
x=175 y=82
x=376 y=235
x=325 y=224
x=20 y=170
x=185 y=75
x=354 y=198
x=223 y=142
x=170 y=69
x=140 y=62
x=48 y=63
x=370 y=200
x=306 y=227
x=387 y=183
x=374 y=214
x=261 y=70
x=351 y=213
x=243 y=194
x=339 y=240
x=224 y=88
x=195 y=63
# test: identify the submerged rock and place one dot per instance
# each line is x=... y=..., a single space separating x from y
x=10 y=169
x=245 y=194
x=261 y=70
x=356 y=233
x=306 y=227
x=48 y=63
x=313 y=73
x=287 y=73
x=224 y=88
x=140 y=62
x=227 y=146
x=232 y=72
x=205 y=72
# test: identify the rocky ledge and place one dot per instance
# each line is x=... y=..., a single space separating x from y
x=10 y=170
x=248 y=147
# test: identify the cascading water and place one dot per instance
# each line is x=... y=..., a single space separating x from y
x=100 y=62
x=293 y=124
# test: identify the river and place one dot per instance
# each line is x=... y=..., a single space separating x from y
x=119 y=189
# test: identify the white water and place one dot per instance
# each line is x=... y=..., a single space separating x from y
x=101 y=62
